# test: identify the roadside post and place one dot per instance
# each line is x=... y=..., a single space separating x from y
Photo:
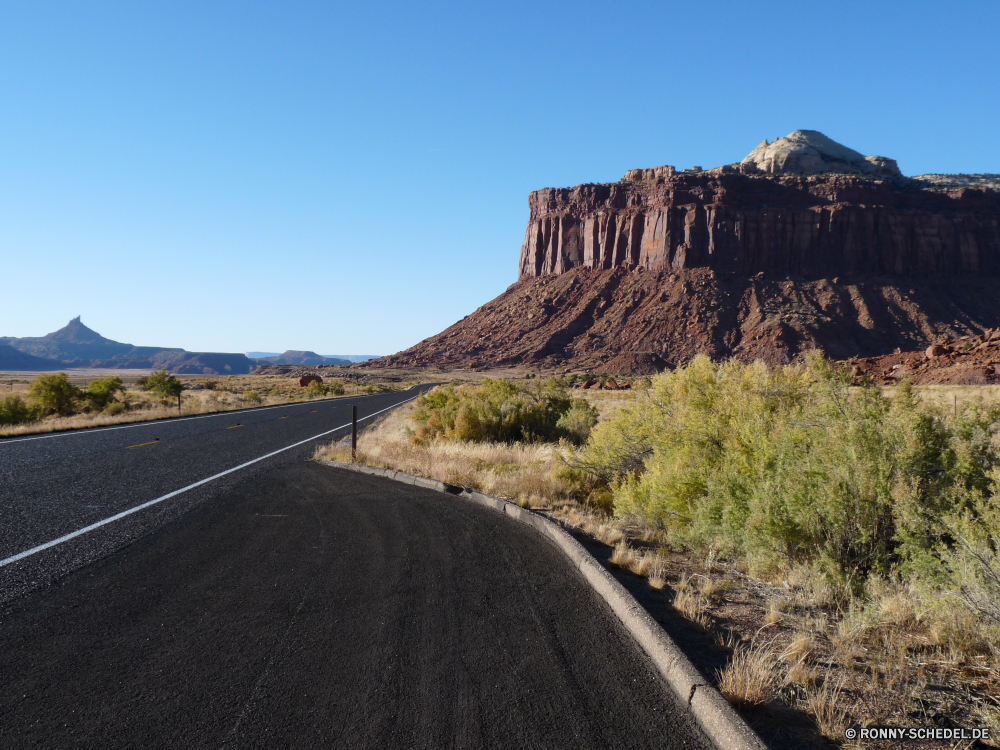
x=354 y=433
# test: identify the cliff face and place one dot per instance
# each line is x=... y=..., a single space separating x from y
x=791 y=225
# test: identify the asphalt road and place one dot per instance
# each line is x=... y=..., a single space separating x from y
x=292 y=605
x=53 y=485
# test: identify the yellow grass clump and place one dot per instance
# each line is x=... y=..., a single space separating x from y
x=749 y=679
x=525 y=473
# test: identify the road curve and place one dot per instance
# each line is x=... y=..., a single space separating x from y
x=319 y=608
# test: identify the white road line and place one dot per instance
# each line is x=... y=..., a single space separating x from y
x=167 y=420
x=136 y=509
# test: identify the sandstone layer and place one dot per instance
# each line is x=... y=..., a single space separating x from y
x=818 y=226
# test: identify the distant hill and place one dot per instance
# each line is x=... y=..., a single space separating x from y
x=292 y=357
x=75 y=341
x=75 y=345
x=349 y=357
x=353 y=357
x=14 y=359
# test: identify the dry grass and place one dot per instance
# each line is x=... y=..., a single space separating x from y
x=749 y=679
x=800 y=649
x=945 y=396
x=606 y=402
x=224 y=394
x=693 y=607
x=527 y=474
x=826 y=708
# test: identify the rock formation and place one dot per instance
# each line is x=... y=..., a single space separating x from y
x=779 y=224
x=811 y=152
x=804 y=244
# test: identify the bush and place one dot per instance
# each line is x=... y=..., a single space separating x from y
x=54 y=394
x=793 y=465
x=499 y=411
x=315 y=388
x=335 y=388
x=115 y=408
x=252 y=397
x=165 y=385
x=578 y=421
x=13 y=410
x=101 y=393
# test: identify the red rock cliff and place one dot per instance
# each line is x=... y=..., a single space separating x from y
x=813 y=226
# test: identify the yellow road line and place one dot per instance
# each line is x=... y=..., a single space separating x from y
x=284 y=417
x=234 y=427
x=151 y=442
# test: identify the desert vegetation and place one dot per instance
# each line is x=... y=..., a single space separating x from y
x=840 y=544
x=58 y=401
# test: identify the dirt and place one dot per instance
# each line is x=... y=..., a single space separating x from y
x=635 y=321
x=966 y=360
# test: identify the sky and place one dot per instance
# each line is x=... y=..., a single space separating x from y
x=353 y=177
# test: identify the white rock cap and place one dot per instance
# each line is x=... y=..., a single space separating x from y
x=811 y=152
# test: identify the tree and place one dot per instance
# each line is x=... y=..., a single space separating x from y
x=54 y=394
x=165 y=385
x=101 y=393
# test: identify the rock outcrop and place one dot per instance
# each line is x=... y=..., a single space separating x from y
x=738 y=219
x=806 y=244
x=811 y=152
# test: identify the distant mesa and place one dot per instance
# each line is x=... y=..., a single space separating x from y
x=77 y=346
x=292 y=357
x=271 y=356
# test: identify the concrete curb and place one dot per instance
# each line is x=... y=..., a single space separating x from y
x=717 y=718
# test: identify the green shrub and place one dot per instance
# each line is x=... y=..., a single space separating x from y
x=101 y=393
x=115 y=408
x=164 y=385
x=578 y=421
x=13 y=410
x=335 y=388
x=315 y=388
x=970 y=553
x=252 y=397
x=792 y=465
x=54 y=394
x=500 y=411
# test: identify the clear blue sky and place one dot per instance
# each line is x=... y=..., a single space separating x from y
x=352 y=178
